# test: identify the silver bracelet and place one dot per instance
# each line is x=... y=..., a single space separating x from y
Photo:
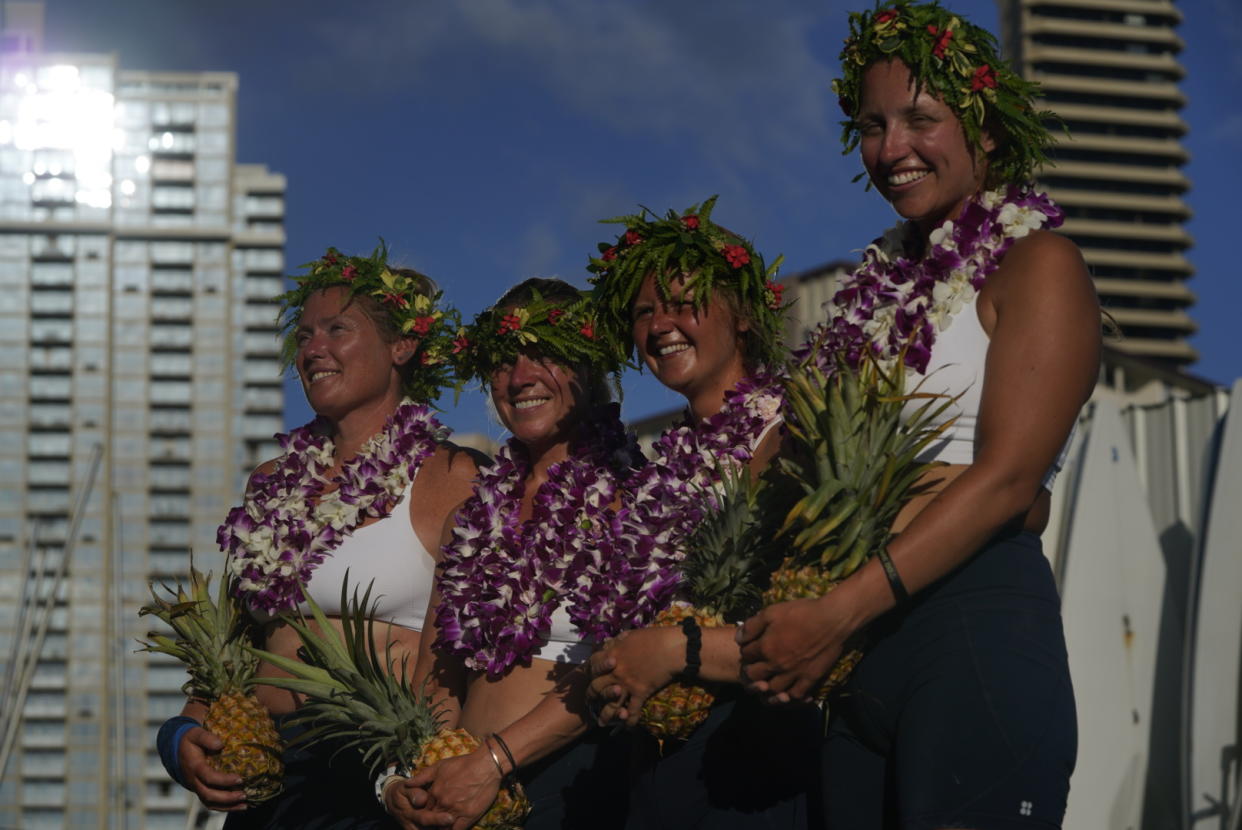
x=495 y=758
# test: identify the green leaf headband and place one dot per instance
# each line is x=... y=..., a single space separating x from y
x=691 y=244
x=960 y=63
x=563 y=331
x=412 y=312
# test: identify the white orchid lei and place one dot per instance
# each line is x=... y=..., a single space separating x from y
x=664 y=502
x=501 y=578
x=895 y=304
x=287 y=523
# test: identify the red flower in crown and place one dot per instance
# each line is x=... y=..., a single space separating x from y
x=422 y=325
x=691 y=222
x=883 y=17
x=942 y=40
x=460 y=343
x=349 y=272
x=633 y=237
x=587 y=330
x=395 y=299
x=510 y=322
x=610 y=254
x=775 y=290
x=330 y=257
x=985 y=76
x=555 y=314
x=737 y=255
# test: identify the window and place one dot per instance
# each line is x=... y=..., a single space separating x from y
x=56 y=387
x=169 y=251
x=170 y=391
x=172 y=198
x=51 y=302
x=171 y=308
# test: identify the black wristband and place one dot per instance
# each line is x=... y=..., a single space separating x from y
x=894 y=579
x=694 y=648
x=504 y=747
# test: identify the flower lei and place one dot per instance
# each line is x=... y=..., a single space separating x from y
x=958 y=62
x=409 y=299
x=501 y=578
x=287 y=524
x=896 y=304
x=666 y=501
x=689 y=244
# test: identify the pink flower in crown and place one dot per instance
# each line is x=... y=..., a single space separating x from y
x=691 y=222
x=773 y=293
x=555 y=314
x=395 y=299
x=610 y=254
x=737 y=255
x=633 y=237
x=349 y=272
x=508 y=323
x=422 y=325
x=460 y=343
x=330 y=257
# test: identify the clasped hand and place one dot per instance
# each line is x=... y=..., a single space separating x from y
x=630 y=668
x=789 y=648
x=453 y=793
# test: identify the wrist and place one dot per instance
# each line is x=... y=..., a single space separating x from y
x=384 y=782
x=168 y=744
x=860 y=598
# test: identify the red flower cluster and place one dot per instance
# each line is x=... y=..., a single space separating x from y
x=985 y=76
x=942 y=40
x=691 y=222
x=396 y=299
x=330 y=257
x=775 y=289
x=510 y=322
x=460 y=343
x=587 y=330
x=632 y=238
x=555 y=314
x=422 y=325
x=349 y=272
x=883 y=17
x=610 y=254
x=737 y=255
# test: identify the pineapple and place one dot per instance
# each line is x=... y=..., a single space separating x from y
x=726 y=564
x=353 y=697
x=211 y=639
x=854 y=461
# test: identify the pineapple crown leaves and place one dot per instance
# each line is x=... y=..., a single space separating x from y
x=688 y=244
x=353 y=698
x=210 y=636
x=855 y=457
x=730 y=553
x=960 y=64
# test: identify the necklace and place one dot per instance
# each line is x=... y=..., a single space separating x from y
x=894 y=302
x=664 y=502
x=287 y=523
x=502 y=578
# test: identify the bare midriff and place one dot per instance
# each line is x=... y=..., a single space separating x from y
x=1035 y=519
x=281 y=639
x=491 y=705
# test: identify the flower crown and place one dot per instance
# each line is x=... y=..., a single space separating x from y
x=688 y=243
x=564 y=331
x=401 y=293
x=960 y=63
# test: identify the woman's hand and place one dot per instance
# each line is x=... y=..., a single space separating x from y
x=453 y=793
x=789 y=648
x=217 y=790
x=630 y=668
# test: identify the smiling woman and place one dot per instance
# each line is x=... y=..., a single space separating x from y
x=361 y=492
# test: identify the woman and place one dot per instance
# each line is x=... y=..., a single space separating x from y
x=365 y=488
x=517 y=566
x=696 y=302
x=961 y=714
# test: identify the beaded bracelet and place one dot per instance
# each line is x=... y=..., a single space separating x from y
x=694 y=648
x=894 y=579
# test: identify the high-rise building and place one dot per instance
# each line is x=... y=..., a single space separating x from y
x=139 y=383
x=1109 y=68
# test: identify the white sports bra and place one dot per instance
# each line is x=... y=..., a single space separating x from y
x=386 y=555
x=956 y=368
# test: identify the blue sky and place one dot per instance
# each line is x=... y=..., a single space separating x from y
x=484 y=138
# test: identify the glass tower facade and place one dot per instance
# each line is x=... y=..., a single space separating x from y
x=140 y=382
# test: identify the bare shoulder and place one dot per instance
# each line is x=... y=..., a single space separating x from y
x=1048 y=259
x=266 y=468
x=457 y=462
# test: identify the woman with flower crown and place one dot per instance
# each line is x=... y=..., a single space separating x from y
x=364 y=488
x=698 y=304
x=513 y=607
x=961 y=712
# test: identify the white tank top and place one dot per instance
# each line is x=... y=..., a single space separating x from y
x=956 y=368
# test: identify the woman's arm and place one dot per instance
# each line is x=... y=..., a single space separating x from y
x=1043 y=359
x=457 y=791
x=217 y=790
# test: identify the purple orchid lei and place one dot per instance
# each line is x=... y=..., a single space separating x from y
x=501 y=578
x=664 y=502
x=894 y=302
x=287 y=523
